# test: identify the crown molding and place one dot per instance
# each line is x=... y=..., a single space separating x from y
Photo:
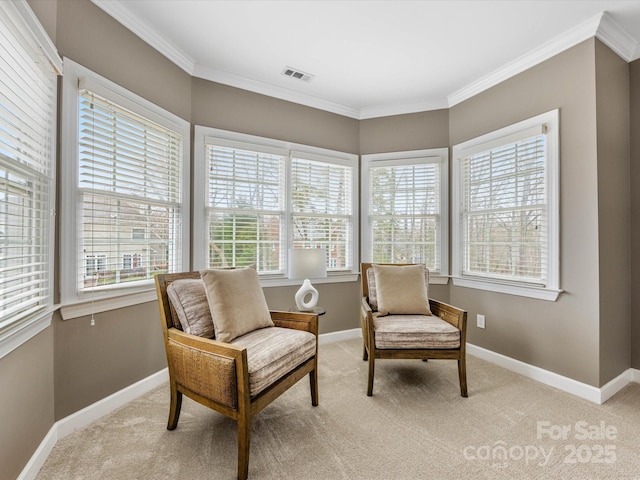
x=601 y=26
x=118 y=10
x=547 y=50
x=617 y=39
x=238 y=81
x=401 y=109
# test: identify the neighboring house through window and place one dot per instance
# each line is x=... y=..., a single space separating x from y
x=505 y=210
x=126 y=189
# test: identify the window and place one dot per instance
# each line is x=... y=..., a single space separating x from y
x=246 y=207
x=95 y=264
x=405 y=198
x=28 y=99
x=126 y=175
x=322 y=207
x=138 y=233
x=506 y=209
x=258 y=197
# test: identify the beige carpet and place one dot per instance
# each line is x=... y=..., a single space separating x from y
x=416 y=426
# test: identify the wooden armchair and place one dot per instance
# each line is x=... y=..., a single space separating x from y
x=224 y=376
x=434 y=339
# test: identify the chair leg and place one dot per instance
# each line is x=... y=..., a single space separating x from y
x=365 y=354
x=462 y=374
x=371 y=371
x=244 y=434
x=174 y=407
x=313 y=382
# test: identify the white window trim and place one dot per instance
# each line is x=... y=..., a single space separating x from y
x=432 y=155
x=200 y=200
x=552 y=291
x=16 y=335
x=75 y=304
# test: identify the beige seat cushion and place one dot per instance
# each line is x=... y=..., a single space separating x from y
x=401 y=290
x=273 y=352
x=236 y=301
x=414 y=331
x=188 y=300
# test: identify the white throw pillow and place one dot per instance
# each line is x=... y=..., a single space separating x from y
x=236 y=301
x=401 y=290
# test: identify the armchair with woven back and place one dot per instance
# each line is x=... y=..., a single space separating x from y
x=400 y=321
x=227 y=351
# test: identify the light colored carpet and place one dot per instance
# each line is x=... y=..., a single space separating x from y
x=416 y=426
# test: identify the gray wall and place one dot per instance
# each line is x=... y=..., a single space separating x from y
x=397 y=133
x=634 y=87
x=93 y=39
x=26 y=383
x=220 y=106
x=72 y=364
x=561 y=336
x=614 y=213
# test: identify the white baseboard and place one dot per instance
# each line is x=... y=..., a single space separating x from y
x=338 y=336
x=87 y=415
x=566 y=384
x=31 y=469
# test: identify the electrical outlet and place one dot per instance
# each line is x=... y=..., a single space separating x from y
x=480 y=321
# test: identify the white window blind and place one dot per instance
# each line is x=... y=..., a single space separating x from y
x=28 y=98
x=130 y=177
x=258 y=197
x=322 y=209
x=504 y=212
x=404 y=214
x=405 y=195
x=246 y=208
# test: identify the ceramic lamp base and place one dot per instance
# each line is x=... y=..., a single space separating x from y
x=305 y=290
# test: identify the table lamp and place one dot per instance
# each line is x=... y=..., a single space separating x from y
x=307 y=263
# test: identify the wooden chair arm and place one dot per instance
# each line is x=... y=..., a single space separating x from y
x=366 y=321
x=453 y=315
x=365 y=308
x=209 y=368
x=206 y=345
x=307 y=322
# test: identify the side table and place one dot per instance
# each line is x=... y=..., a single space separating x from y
x=316 y=310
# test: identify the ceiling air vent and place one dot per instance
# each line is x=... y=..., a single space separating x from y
x=294 y=73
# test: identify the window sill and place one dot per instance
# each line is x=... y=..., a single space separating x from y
x=287 y=282
x=16 y=335
x=539 y=293
x=89 y=306
x=438 y=280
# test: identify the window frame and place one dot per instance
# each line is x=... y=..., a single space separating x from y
x=15 y=333
x=75 y=303
x=200 y=237
x=551 y=291
x=438 y=156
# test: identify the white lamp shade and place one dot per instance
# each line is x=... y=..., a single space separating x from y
x=307 y=263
